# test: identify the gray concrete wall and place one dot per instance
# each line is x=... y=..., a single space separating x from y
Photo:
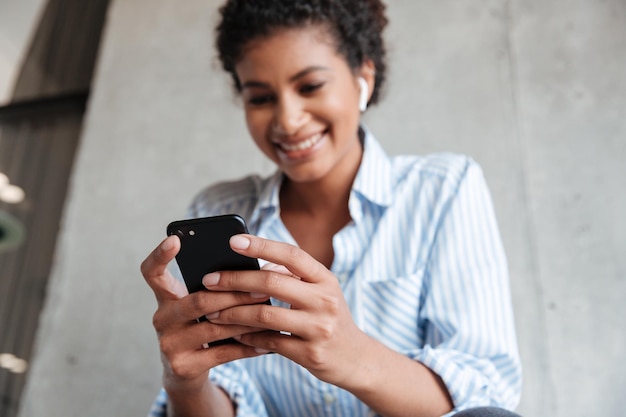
x=18 y=20
x=534 y=90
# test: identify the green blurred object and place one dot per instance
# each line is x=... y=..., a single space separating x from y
x=12 y=232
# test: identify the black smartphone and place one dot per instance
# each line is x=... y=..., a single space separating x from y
x=204 y=247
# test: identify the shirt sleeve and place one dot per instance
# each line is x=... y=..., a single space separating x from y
x=467 y=312
x=236 y=382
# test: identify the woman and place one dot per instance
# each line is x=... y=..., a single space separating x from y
x=387 y=276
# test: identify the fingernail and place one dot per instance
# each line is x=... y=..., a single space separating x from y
x=261 y=350
x=239 y=242
x=167 y=244
x=237 y=337
x=211 y=279
x=212 y=316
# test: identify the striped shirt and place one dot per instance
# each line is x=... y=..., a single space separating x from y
x=422 y=268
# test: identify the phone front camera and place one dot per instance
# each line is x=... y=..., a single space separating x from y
x=192 y=233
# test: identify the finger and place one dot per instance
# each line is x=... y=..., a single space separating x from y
x=293 y=258
x=261 y=285
x=154 y=270
x=286 y=345
x=217 y=335
x=227 y=353
x=194 y=362
x=263 y=316
x=206 y=303
x=197 y=334
x=270 y=266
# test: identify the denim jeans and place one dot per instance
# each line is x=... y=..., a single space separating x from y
x=486 y=412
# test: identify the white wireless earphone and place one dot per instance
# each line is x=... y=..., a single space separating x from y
x=364 y=94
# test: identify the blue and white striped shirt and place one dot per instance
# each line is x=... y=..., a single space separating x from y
x=422 y=268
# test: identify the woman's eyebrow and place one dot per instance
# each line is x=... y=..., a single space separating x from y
x=253 y=84
x=308 y=70
x=300 y=74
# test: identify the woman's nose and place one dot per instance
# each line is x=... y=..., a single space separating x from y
x=290 y=116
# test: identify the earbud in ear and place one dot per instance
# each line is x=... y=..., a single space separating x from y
x=364 y=94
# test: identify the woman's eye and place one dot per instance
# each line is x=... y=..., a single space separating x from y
x=260 y=100
x=309 y=88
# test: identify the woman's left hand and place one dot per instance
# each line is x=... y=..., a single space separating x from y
x=323 y=336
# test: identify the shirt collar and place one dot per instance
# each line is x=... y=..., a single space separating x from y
x=268 y=203
x=374 y=180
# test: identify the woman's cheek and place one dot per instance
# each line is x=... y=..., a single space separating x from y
x=259 y=126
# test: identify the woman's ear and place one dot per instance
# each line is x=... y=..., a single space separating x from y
x=366 y=78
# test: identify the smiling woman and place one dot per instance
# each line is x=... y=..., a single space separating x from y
x=308 y=118
x=388 y=279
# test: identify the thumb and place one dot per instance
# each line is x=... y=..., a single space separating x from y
x=154 y=270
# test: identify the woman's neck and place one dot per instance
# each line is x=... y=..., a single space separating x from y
x=316 y=199
x=315 y=211
x=323 y=197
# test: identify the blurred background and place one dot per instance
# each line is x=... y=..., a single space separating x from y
x=114 y=113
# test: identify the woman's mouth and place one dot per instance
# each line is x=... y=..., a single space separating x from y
x=302 y=145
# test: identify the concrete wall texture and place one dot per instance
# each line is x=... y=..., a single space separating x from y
x=534 y=90
x=18 y=19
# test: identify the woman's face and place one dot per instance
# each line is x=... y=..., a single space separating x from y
x=301 y=103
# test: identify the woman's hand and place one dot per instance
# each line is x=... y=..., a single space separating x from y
x=181 y=337
x=323 y=336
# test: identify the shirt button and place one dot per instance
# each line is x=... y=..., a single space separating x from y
x=329 y=398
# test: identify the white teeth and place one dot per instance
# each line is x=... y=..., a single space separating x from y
x=301 y=146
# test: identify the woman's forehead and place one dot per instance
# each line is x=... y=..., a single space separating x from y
x=312 y=34
x=289 y=50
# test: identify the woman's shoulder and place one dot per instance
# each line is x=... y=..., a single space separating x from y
x=231 y=196
x=444 y=168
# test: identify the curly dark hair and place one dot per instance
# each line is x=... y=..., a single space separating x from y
x=355 y=25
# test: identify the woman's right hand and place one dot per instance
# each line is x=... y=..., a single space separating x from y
x=181 y=337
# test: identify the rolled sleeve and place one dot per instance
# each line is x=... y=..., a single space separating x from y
x=235 y=381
